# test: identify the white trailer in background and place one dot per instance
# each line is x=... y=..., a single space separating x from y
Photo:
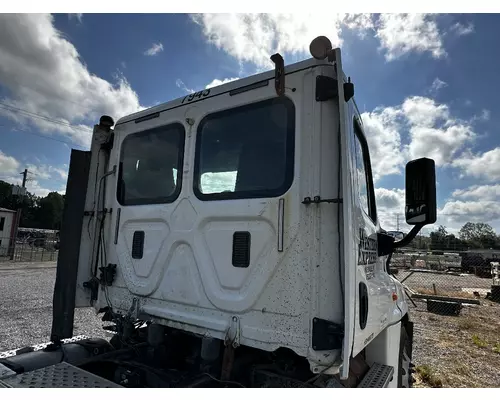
x=231 y=238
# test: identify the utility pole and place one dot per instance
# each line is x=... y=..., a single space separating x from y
x=25 y=176
x=397 y=221
x=18 y=216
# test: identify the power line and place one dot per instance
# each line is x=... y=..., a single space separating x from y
x=35 y=115
x=10 y=108
x=50 y=138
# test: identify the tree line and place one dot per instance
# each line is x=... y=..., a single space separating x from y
x=472 y=235
x=36 y=212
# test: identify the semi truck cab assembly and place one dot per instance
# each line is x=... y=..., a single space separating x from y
x=231 y=238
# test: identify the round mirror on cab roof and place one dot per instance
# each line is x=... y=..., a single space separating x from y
x=320 y=47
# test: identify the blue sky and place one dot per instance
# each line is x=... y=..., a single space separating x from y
x=427 y=86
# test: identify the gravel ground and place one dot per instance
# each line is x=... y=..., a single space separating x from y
x=461 y=351
x=26 y=306
x=457 y=351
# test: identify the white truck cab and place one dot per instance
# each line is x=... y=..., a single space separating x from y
x=245 y=215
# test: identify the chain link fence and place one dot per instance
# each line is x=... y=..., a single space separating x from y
x=454 y=301
x=446 y=281
x=30 y=246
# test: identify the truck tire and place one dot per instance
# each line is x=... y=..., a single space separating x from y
x=405 y=378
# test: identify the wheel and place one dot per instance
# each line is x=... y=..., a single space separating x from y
x=405 y=378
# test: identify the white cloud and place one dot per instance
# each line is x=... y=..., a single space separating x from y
x=362 y=23
x=218 y=82
x=382 y=129
x=477 y=203
x=154 y=49
x=481 y=206
x=62 y=172
x=78 y=17
x=430 y=128
x=44 y=172
x=440 y=144
x=390 y=199
x=391 y=206
x=8 y=165
x=33 y=186
x=483 y=165
x=44 y=75
x=484 y=116
x=462 y=30
x=255 y=37
x=424 y=112
x=460 y=212
x=432 y=132
x=479 y=192
x=180 y=84
x=39 y=175
x=437 y=85
x=400 y=34
x=40 y=172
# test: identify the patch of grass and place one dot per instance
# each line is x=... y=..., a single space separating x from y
x=428 y=376
x=479 y=342
x=496 y=348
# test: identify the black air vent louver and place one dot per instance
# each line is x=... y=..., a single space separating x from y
x=241 y=249
x=138 y=245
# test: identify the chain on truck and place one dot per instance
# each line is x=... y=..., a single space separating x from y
x=230 y=238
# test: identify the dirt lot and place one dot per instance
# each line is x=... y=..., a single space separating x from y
x=457 y=351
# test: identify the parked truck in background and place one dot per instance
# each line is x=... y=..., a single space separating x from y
x=231 y=238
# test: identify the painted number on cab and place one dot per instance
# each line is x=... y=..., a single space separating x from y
x=194 y=96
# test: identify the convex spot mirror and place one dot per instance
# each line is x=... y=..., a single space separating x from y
x=421 y=206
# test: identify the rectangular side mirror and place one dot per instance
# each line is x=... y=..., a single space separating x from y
x=421 y=204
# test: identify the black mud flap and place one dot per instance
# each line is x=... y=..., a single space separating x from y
x=63 y=310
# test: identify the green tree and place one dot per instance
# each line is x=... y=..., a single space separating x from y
x=438 y=238
x=27 y=203
x=36 y=212
x=50 y=211
x=442 y=240
x=479 y=235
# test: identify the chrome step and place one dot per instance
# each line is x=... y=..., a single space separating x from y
x=62 y=375
x=378 y=376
